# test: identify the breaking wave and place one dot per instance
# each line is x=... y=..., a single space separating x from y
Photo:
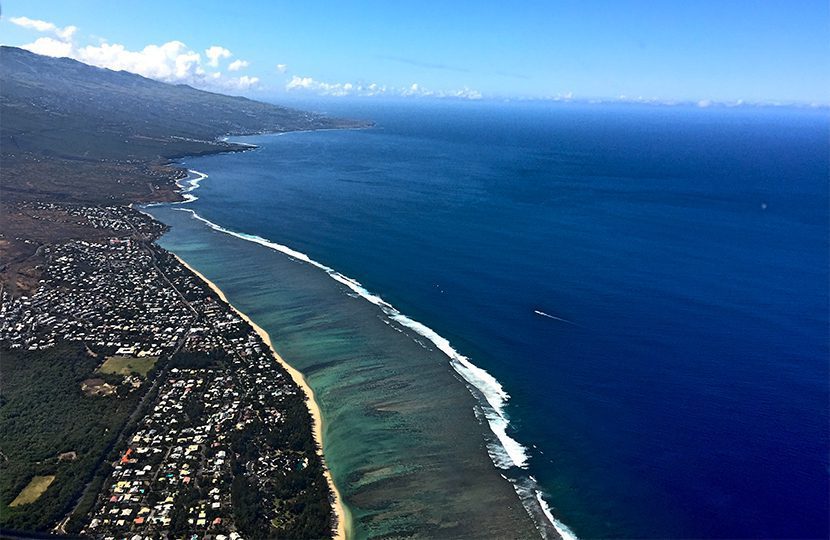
x=506 y=452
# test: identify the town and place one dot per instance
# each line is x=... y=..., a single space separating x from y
x=221 y=444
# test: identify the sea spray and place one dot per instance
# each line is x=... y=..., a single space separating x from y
x=504 y=451
x=536 y=222
x=186 y=185
x=494 y=395
x=507 y=453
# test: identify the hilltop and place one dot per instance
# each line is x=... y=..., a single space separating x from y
x=74 y=132
x=79 y=134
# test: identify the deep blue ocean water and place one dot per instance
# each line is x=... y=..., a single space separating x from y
x=682 y=388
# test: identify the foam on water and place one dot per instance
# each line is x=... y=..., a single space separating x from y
x=492 y=398
x=494 y=395
x=564 y=531
x=186 y=185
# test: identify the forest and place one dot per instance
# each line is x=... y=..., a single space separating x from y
x=49 y=427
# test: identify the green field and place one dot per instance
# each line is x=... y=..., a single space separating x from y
x=33 y=490
x=126 y=365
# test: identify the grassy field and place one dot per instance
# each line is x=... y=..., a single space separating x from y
x=126 y=365
x=33 y=490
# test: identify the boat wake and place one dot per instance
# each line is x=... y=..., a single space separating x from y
x=507 y=453
x=554 y=317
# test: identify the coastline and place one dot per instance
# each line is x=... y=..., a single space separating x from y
x=503 y=451
x=339 y=509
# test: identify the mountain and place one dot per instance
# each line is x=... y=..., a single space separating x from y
x=77 y=134
x=74 y=132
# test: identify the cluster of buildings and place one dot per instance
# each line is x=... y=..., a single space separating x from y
x=175 y=474
x=108 y=294
x=114 y=220
x=217 y=419
x=87 y=216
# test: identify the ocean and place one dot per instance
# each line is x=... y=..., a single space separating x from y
x=618 y=311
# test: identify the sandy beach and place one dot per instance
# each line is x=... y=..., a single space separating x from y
x=337 y=505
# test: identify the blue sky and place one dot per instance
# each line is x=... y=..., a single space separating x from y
x=663 y=50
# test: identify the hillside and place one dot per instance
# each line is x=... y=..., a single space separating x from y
x=62 y=117
x=71 y=133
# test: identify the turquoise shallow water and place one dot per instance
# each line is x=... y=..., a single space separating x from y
x=649 y=284
x=401 y=436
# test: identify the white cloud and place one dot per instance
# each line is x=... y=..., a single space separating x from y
x=34 y=24
x=51 y=47
x=415 y=90
x=171 y=62
x=327 y=89
x=642 y=100
x=300 y=82
x=216 y=53
x=175 y=62
x=465 y=93
x=236 y=65
x=374 y=89
x=418 y=91
x=64 y=33
x=561 y=96
x=308 y=84
x=244 y=82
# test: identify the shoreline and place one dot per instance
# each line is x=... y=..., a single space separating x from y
x=504 y=452
x=340 y=512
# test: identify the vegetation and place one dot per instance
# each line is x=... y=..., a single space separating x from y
x=72 y=133
x=75 y=133
x=128 y=365
x=298 y=499
x=60 y=114
x=43 y=414
x=198 y=359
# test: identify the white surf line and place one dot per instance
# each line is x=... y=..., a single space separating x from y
x=193 y=183
x=563 y=530
x=234 y=138
x=186 y=185
x=512 y=453
x=490 y=388
x=227 y=139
